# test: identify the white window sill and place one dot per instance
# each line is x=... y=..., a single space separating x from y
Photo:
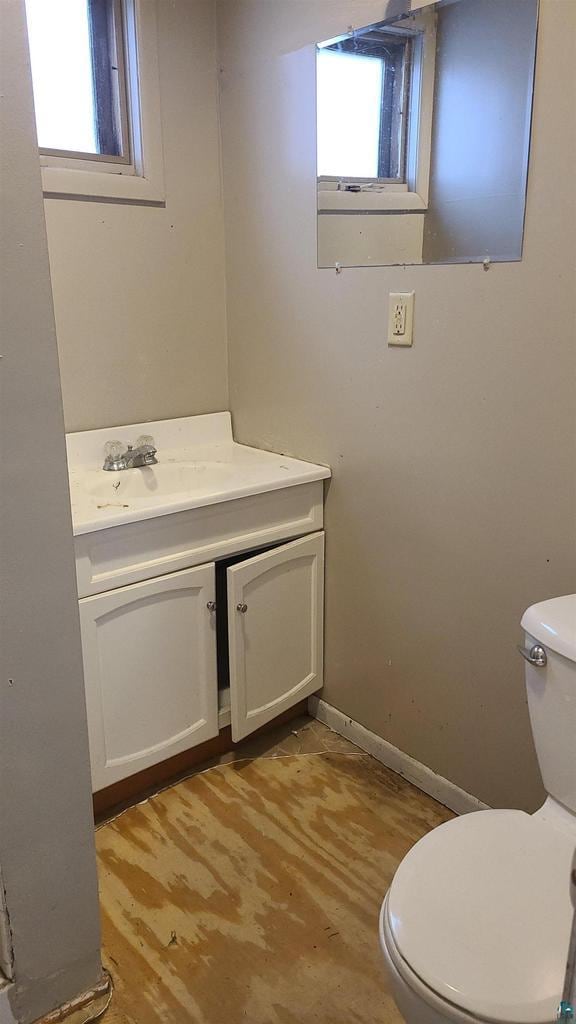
x=360 y=202
x=81 y=184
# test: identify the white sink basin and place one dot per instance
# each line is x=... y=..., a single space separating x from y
x=155 y=482
x=199 y=464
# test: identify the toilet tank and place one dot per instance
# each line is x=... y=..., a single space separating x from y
x=552 y=694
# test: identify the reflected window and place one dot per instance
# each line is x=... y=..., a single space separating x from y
x=362 y=106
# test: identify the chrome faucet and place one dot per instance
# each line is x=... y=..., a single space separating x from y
x=120 y=456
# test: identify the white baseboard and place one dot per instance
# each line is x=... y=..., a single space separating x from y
x=418 y=774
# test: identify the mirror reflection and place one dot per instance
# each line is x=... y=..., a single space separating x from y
x=423 y=130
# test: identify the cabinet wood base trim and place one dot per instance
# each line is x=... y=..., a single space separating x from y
x=110 y=801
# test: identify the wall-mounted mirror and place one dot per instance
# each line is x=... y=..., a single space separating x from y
x=423 y=131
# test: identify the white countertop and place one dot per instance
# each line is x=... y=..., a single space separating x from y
x=199 y=464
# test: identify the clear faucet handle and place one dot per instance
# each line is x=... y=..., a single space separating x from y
x=114 y=449
x=145 y=441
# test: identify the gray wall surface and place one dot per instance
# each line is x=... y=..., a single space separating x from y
x=452 y=505
x=138 y=290
x=46 y=835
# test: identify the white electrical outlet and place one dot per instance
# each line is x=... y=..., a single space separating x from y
x=400 y=318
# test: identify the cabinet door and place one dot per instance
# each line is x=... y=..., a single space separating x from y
x=275 y=628
x=150 y=672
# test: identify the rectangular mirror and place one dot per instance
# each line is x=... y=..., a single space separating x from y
x=423 y=132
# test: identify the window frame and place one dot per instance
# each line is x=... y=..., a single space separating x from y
x=393 y=195
x=124 y=118
x=370 y=45
x=98 y=176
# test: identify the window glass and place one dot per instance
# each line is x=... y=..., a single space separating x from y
x=349 y=113
x=78 y=72
x=61 y=56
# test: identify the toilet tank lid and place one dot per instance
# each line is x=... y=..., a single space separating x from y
x=553 y=624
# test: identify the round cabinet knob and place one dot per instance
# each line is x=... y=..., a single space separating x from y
x=211 y=606
x=242 y=608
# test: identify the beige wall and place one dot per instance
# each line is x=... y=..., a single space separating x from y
x=139 y=291
x=452 y=505
x=47 y=855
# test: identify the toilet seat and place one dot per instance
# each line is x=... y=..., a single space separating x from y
x=478 y=918
x=404 y=980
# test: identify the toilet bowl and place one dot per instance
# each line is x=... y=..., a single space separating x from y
x=476 y=924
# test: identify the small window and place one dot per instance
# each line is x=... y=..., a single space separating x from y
x=362 y=102
x=78 y=70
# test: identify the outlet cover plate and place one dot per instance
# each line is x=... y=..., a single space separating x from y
x=400 y=318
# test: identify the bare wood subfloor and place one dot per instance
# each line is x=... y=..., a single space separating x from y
x=251 y=892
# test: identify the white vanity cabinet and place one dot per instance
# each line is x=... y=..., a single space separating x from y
x=150 y=647
x=201 y=588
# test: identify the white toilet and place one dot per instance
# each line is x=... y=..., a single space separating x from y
x=476 y=924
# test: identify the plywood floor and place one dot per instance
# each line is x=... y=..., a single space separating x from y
x=251 y=892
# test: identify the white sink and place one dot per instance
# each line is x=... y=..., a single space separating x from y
x=152 y=483
x=199 y=464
